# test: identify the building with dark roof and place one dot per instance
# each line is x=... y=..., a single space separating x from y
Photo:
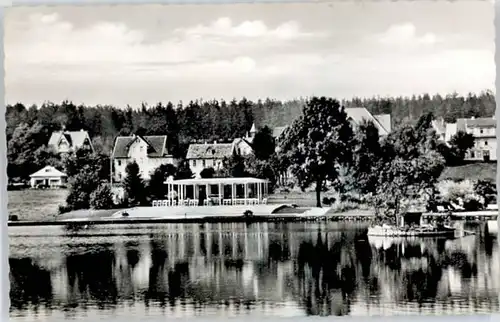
x=149 y=152
x=208 y=155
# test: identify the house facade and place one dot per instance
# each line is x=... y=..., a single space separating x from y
x=485 y=139
x=70 y=141
x=149 y=152
x=244 y=146
x=208 y=155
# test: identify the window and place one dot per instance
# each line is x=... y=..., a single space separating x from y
x=119 y=162
x=485 y=142
x=194 y=163
x=204 y=163
x=472 y=154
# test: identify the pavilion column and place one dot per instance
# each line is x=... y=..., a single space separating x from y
x=233 y=195
x=207 y=192
x=246 y=192
x=221 y=186
x=258 y=191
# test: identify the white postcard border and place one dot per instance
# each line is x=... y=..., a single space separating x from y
x=4 y=249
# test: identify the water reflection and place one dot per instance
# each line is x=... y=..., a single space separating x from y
x=262 y=269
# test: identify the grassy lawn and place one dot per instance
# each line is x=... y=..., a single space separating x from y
x=474 y=171
x=35 y=204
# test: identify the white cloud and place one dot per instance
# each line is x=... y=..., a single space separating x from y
x=48 y=58
x=406 y=35
x=224 y=27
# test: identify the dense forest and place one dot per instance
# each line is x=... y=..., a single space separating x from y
x=214 y=120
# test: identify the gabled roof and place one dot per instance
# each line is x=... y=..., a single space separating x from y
x=483 y=122
x=48 y=171
x=209 y=151
x=358 y=114
x=74 y=138
x=156 y=145
x=277 y=131
x=247 y=141
x=252 y=129
x=385 y=121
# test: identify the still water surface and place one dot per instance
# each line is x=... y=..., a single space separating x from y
x=280 y=269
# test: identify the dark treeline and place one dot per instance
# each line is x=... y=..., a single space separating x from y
x=220 y=120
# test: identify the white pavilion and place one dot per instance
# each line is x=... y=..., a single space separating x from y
x=216 y=191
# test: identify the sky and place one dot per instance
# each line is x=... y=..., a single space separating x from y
x=126 y=55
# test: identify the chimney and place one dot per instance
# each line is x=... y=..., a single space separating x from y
x=472 y=117
x=82 y=130
x=215 y=142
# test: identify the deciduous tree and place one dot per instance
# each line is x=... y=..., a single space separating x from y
x=318 y=143
x=135 y=189
x=264 y=144
x=156 y=185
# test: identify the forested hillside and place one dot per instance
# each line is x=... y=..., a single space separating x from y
x=213 y=120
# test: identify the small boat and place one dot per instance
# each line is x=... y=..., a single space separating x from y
x=411 y=225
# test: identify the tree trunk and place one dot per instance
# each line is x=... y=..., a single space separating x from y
x=318 y=193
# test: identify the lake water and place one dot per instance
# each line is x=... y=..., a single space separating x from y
x=280 y=269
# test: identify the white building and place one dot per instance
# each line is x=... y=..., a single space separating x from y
x=48 y=177
x=485 y=139
x=149 y=152
x=70 y=141
x=483 y=130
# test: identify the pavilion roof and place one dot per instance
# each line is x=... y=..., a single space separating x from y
x=213 y=181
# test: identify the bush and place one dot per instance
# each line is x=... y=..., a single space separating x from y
x=345 y=206
x=487 y=190
x=102 y=197
x=473 y=203
x=64 y=209
x=462 y=193
x=451 y=191
x=328 y=201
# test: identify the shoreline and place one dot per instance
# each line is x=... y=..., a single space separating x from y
x=153 y=215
